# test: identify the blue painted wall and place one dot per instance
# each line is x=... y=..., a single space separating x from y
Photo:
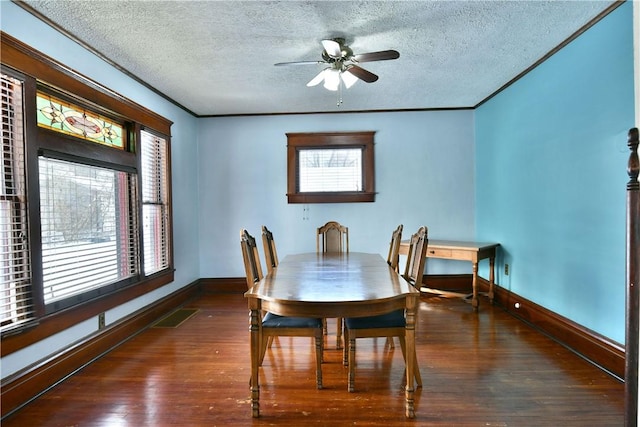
x=550 y=177
x=424 y=176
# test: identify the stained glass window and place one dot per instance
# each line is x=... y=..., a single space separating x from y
x=64 y=117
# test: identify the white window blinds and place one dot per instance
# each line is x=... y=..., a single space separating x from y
x=89 y=233
x=330 y=169
x=16 y=304
x=155 y=204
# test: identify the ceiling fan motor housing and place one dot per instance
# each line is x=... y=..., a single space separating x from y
x=345 y=52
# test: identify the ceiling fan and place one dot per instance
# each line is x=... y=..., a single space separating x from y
x=342 y=64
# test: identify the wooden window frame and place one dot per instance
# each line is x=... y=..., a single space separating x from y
x=40 y=71
x=331 y=140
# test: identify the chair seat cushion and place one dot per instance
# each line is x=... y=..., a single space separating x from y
x=395 y=319
x=274 y=321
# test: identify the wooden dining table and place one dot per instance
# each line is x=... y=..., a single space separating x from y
x=329 y=285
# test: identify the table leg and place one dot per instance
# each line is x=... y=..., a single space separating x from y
x=254 y=317
x=410 y=339
x=492 y=262
x=475 y=302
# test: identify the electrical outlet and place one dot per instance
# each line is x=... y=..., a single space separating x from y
x=101 y=321
x=506 y=269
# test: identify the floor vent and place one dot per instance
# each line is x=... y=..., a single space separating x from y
x=176 y=318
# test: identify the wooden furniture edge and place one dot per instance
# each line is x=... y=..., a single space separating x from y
x=24 y=386
x=608 y=355
x=449 y=282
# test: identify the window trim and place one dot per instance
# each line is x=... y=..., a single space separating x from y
x=331 y=140
x=38 y=69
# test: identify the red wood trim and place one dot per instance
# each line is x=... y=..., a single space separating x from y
x=24 y=386
x=224 y=285
x=331 y=197
x=449 y=282
x=601 y=351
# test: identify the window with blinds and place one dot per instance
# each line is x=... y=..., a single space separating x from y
x=155 y=204
x=330 y=167
x=330 y=170
x=88 y=227
x=16 y=305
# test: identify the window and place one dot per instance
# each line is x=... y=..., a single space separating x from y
x=89 y=233
x=16 y=304
x=155 y=204
x=330 y=167
x=85 y=197
x=61 y=116
x=330 y=170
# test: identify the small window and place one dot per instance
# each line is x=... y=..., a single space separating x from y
x=330 y=167
x=70 y=119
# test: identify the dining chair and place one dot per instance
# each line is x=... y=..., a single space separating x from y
x=393 y=258
x=269 y=245
x=273 y=325
x=333 y=237
x=390 y=324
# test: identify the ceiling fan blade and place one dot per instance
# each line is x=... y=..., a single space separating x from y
x=300 y=63
x=362 y=74
x=383 y=55
x=332 y=48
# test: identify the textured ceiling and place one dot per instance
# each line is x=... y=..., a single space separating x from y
x=216 y=57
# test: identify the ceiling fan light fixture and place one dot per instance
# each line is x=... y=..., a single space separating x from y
x=348 y=79
x=318 y=78
x=332 y=79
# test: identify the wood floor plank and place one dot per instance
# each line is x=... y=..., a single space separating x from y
x=478 y=369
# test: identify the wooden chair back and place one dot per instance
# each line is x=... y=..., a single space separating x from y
x=393 y=258
x=332 y=237
x=251 y=258
x=414 y=270
x=269 y=245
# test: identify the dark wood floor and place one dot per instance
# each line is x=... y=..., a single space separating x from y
x=485 y=369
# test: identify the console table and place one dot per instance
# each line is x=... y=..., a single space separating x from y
x=462 y=251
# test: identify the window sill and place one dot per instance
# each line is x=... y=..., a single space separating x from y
x=346 y=197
